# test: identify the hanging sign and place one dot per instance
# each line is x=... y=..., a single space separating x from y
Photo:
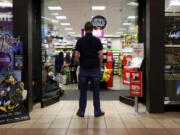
x=136 y=84
x=99 y=22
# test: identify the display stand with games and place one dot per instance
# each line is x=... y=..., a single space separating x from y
x=132 y=76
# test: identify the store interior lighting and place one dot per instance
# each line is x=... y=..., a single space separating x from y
x=55 y=14
x=133 y=4
x=174 y=3
x=5 y=4
x=119 y=32
x=122 y=29
x=65 y=24
x=98 y=7
x=126 y=23
x=54 y=21
x=61 y=17
x=68 y=29
x=131 y=17
x=71 y=33
x=54 y=8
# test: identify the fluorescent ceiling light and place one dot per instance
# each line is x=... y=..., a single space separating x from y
x=61 y=17
x=98 y=7
x=122 y=29
x=68 y=29
x=54 y=21
x=71 y=33
x=6 y=4
x=55 y=14
x=131 y=17
x=54 y=8
x=133 y=4
x=126 y=23
x=119 y=32
x=65 y=24
x=174 y=3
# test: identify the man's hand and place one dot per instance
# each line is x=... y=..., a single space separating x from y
x=100 y=57
x=77 y=56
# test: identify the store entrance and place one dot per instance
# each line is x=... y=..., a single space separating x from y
x=62 y=26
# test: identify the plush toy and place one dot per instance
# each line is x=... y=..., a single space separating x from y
x=106 y=75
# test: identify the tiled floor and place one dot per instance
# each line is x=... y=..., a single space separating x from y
x=120 y=119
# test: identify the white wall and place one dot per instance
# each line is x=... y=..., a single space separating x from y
x=116 y=43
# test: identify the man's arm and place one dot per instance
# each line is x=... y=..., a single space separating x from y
x=100 y=57
x=77 y=56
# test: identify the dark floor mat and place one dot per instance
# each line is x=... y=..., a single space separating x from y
x=104 y=94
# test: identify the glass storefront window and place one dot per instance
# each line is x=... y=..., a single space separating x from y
x=172 y=50
x=62 y=24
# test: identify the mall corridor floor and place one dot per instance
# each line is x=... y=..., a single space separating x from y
x=120 y=119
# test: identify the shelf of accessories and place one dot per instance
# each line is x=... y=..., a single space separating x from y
x=116 y=55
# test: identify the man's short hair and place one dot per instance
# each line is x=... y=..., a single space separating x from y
x=88 y=26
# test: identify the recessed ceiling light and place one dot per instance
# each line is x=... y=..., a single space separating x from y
x=126 y=23
x=119 y=32
x=54 y=8
x=6 y=4
x=65 y=24
x=68 y=29
x=133 y=4
x=174 y=3
x=54 y=21
x=55 y=14
x=131 y=17
x=98 y=7
x=122 y=29
x=71 y=33
x=60 y=17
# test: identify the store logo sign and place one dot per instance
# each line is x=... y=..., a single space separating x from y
x=99 y=22
x=175 y=35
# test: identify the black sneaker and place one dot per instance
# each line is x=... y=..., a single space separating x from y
x=80 y=115
x=100 y=114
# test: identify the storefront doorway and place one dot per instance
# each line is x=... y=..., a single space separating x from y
x=62 y=26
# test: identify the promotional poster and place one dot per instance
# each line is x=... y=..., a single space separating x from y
x=136 y=84
x=13 y=95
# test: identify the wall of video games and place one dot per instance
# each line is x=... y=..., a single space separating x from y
x=13 y=95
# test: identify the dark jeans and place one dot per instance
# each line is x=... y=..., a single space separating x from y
x=86 y=75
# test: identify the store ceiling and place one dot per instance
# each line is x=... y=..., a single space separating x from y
x=79 y=11
x=172 y=6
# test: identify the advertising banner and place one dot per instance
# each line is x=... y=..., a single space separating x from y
x=109 y=65
x=127 y=60
x=126 y=75
x=13 y=95
x=138 y=50
x=136 y=84
x=6 y=18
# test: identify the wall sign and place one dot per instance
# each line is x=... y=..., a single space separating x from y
x=99 y=22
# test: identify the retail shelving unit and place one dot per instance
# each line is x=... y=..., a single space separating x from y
x=116 y=62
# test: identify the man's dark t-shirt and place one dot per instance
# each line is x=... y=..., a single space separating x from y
x=88 y=47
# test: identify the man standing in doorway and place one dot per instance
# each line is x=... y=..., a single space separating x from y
x=89 y=55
